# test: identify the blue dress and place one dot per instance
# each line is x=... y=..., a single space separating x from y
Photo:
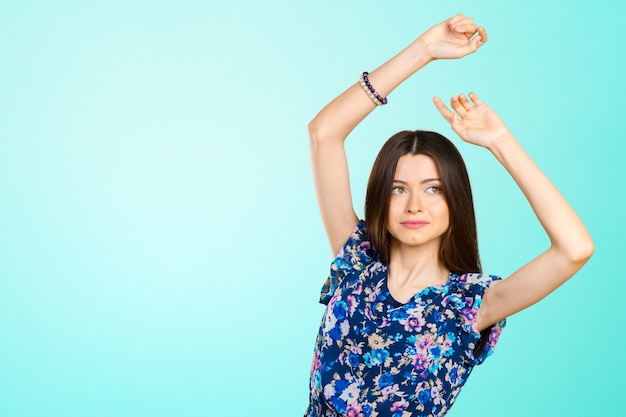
x=377 y=357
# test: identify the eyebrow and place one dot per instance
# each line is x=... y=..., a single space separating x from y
x=421 y=182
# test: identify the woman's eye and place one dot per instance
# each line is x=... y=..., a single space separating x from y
x=398 y=190
x=433 y=190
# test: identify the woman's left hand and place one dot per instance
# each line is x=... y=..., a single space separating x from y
x=474 y=121
x=570 y=243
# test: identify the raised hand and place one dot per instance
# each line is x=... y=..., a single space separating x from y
x=570 y=243
x=474 y=121
x=454 y=38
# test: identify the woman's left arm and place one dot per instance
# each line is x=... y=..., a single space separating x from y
x=571 y=245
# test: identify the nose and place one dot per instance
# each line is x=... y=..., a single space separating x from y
x=414 y=205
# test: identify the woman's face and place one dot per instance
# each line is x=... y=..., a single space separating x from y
x=418 y=213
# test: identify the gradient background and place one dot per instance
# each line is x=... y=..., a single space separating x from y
x=161 y=253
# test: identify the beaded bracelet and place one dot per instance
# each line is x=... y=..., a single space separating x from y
x=367 y=87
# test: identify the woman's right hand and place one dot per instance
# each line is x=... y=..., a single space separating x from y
x=454 y=38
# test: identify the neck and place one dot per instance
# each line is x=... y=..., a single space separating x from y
x=416 y=266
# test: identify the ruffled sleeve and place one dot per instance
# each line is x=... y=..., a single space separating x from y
x=355 y=255
x=471 y=288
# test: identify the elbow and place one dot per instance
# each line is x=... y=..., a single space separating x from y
x=313 y=132
x=587 y=251
x=321 y=132
x=581 y=252
x=316 y=135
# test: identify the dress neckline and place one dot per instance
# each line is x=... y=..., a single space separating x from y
x=436 y=287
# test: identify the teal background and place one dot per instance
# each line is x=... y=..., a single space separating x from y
x=161 y=253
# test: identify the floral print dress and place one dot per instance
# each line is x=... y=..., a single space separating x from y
x=377 y=357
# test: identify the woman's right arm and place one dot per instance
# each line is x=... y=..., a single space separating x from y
x=453 y=38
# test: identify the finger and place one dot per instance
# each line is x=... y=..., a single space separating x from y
x=474 y=97
x=480 y=37
x=482 y=32
x=453 y=20
x=465 y=102
x=466 y=26
x=463 y=21
x=456 y=105
x=445 y=112
x=476 y=42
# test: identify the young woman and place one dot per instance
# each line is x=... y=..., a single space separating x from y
x=409 y=312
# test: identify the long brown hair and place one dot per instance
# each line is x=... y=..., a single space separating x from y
x=459 y=247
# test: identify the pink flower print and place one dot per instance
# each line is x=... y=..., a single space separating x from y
x=352 y=304
x=414 y=323
x=315 y=364
x=494 y=335
x=399 y=406
x=425 y=343
x=353 y=411
x=421 y=362
x=391 y=389
x=470 y=317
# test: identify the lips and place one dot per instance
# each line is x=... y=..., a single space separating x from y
x=414 y=224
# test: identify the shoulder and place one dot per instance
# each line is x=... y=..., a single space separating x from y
x=477 y=278
x=355 y=256
x=358 y=250
x=468 y=293
x=474 y=282
x=479 y=333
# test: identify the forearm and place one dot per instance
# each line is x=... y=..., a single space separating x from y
x=453 y=38
x=566 y=232
x=344 y=113
x=329 y=129
x=571 y=245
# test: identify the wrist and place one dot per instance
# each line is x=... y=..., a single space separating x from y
x=420 y=52
x=502 y=143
